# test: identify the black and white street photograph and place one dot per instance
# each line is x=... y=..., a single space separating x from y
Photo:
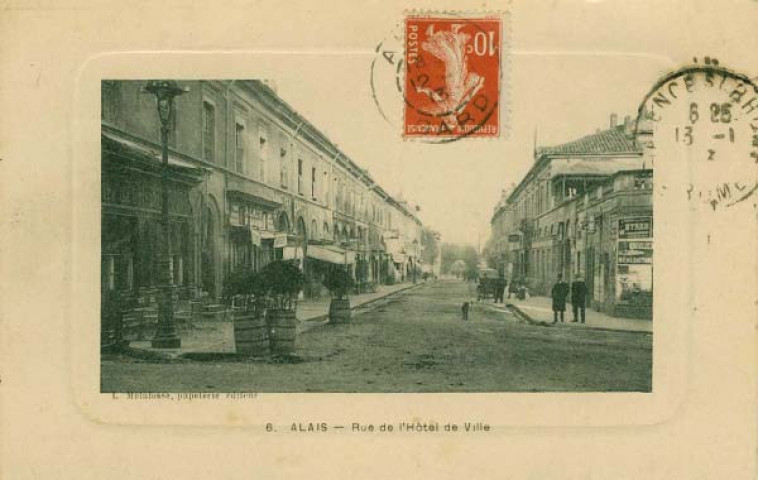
x=244 y=249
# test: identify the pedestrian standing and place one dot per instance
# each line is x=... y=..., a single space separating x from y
x=578 y=298
x=559 y=293
x=499 y=293
x=464 y=310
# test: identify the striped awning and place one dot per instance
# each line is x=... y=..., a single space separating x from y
x=330 y=254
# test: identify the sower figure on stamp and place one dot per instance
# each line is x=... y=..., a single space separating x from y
x=559 y=293
x=578 y=298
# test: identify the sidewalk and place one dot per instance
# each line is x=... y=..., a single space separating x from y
x=540 y=309
x=218 y=336
x=316 y=310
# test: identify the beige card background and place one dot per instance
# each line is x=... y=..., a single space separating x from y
x=699 y=422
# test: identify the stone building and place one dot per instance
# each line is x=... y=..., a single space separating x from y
x=584 y=209
x=251 y=181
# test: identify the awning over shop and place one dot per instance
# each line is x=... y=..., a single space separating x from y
x=256 y=199
x=330 y=254
x=252 y=234
x=393 y=245
x=258 y=194
x=395 y=249
x=291 y=253
x=255 y=235
x=280 y=240
x=242 y=233
x=137 y=149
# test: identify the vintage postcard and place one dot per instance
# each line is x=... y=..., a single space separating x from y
x=508 y=239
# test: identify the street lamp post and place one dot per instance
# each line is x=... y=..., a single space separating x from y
x=165 y=337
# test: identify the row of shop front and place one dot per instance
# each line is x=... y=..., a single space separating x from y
x=244 y=225
x=604 y=238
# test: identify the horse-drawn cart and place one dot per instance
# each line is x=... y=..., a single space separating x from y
x=489 y=282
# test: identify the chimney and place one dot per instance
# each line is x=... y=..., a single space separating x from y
x=614 y=120
x=628 y=125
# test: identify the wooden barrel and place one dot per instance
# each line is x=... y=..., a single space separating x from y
x=250 y=334
x=339 y=310
x=282 y=325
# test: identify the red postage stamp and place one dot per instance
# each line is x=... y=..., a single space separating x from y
x=452 y=77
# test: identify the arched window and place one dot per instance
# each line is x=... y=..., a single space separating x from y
x=283 y=223
x=302 y=234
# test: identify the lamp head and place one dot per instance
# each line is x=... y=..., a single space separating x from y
x=165 y=91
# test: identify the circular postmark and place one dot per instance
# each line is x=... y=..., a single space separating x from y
x=443 y=72
x=707 y=115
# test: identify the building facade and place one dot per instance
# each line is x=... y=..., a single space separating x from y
x=251 y=181
x=585 y=210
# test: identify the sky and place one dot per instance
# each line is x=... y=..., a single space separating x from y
x=555 y=97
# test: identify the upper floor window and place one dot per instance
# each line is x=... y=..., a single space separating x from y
x=338 y=194
x=300 y=176
x=239 y=142
x=313 y=183
x=284 y=160
x=264 y=150
x=243 y=215
x=325 y=186
x=209 y=131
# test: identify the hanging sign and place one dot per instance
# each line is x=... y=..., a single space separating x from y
x=280 y=240
x=640 y=227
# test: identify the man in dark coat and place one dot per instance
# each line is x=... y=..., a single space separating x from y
x=578 y=298
x=500 y=290
x=559 y=293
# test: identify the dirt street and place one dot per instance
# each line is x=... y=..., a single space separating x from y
x=416 y=342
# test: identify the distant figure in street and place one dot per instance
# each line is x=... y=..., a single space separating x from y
x=464 y=310
x=559 y=293
x=522 y=292
x=578 y=298
x=512 y=288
